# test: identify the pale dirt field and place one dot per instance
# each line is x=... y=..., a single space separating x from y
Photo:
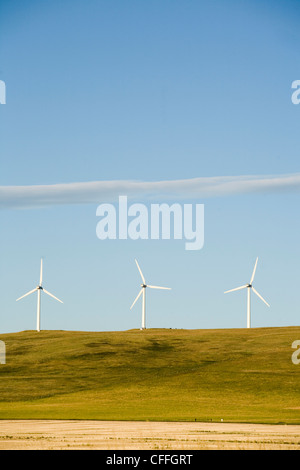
x=119 y=435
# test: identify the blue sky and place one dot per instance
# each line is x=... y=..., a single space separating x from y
x=149 y=91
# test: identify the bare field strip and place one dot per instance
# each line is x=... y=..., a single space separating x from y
x=124 y=435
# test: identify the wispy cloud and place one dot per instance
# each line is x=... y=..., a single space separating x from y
x=96 y=192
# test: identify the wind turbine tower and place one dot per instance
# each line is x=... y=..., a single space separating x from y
x=39 y=289
x=143 y=292
x=249 y=287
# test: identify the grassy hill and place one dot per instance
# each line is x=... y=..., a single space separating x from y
x=235 y=375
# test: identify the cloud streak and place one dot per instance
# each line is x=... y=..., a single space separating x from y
x=97 y=192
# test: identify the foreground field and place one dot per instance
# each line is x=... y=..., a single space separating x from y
x=116 y=435
x=157 y=375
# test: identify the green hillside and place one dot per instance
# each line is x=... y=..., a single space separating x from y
x=235 y=375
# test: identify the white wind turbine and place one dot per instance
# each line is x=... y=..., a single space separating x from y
x=143 y=291
x=39 y=288
x=249 y=287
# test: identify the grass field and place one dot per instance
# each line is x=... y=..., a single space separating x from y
x=235 y=375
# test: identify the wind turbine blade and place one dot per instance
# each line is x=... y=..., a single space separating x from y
x=41 y=272
x=158 y=287
x=139 y=294
x=237 y=288
x=255 y=291
x=51 y=295
x=254 y=271
x=143 y=279
x=25 y=295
